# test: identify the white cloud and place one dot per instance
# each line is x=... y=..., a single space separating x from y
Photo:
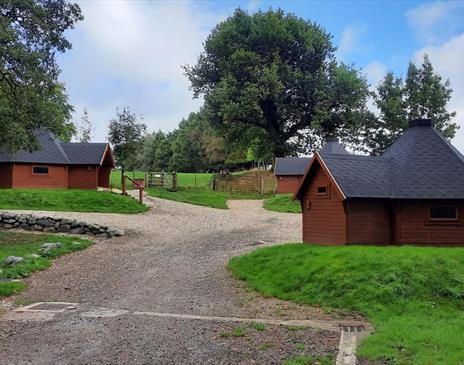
x=447 y=61
x=437 y=21
x=375 y=71
x=131 y=53
x=350 y=41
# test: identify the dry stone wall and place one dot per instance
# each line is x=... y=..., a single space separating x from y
x=30 y=222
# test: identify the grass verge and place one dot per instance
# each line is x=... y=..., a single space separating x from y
x=69 y=200
x=414 y=296
x=24 y=245
x=204 y=197
x=283 y=203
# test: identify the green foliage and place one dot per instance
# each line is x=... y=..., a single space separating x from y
x=259 y=326
x=270 y=80
x=204 y=197
x=69 y=200
x=283 y=203
x=125 y=134
x=422 y=95
x=414 y=296
x=31 y=97
x=238 y=332
x=25 y=244
x=85 y=127
x=310 y=360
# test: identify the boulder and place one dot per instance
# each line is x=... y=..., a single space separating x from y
x=34 y=256
x=64 y=228
x=115 y=232
x=7 y=226
x=45 y=222
x=12 y=260
x=47 y=247
x=66 y=221
x=49 y=229
x=36 y=227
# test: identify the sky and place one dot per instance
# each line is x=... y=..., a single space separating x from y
x=131 y=52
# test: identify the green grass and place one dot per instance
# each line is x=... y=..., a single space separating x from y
x=69 y=200
x=25 y=244
x=310 y=360
x=204 y=197
x=283 y=203
x=414 y=296
x=238 y=332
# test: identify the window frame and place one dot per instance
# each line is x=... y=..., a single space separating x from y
x=443 y=220
x=40 y=173
x=324 y=194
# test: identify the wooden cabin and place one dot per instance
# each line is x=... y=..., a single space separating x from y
x=289 y=172
x=412 y=194
x=57 y=165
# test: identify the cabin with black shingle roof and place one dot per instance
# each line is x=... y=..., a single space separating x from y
x=412 y=194
x=57 y=164
x=289 y=172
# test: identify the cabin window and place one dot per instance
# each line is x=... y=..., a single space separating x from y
x=443 y=213
x=40 y=170
x=322 y=190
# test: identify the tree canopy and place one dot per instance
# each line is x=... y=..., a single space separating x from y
x=31 y=33
x=272 y=78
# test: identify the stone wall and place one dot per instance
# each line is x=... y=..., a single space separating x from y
x=56 y=225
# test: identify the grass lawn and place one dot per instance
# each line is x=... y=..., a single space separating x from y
x=25 y=244
x=414 y=296
x=69 y=200
x=204 y=197
x=283 y=203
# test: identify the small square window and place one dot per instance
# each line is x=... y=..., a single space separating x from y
x=40 y=170
x=447 y=213
x=322 y=190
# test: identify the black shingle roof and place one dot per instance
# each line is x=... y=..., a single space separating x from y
x=332 y=146
x=53 y=151
x=290 y=165
x=421 y=164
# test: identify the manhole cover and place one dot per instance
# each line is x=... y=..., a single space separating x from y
x=55 y=307
x=352 y=328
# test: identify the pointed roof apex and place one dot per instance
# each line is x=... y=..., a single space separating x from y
x=413 y=123
x=332 y=146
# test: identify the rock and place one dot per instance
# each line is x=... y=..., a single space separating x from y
x=7 y=226
x=74 y=224
x=16 y=225
x=47 y=247
x=34 y=256
x=66 y=221
x=36 y=227
x=12 y=260
x=64 y=228
x=25 y=226
x=115 y=232
x=9 y=221
x=45 y=223
x=49 y=229
x=77 y=230
x=31 y=221
x=100 y=234
x=23 y=219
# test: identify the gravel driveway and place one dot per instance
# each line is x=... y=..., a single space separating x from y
x=173 y=260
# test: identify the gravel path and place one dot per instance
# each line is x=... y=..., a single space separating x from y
x=173 y=260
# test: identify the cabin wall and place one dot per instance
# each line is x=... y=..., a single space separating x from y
x=369 y=222
x=24 y=178
x=104 y=177
x=324 y=218
x=5 y=176
x=414 y=227
x=83 y=177
x=288 y=184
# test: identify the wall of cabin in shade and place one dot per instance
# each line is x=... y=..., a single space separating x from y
x=22 y=177
x=82 y=177
x=369 y=221
x=5 y=176
x=104 y=176
x=413 y=226
x=324 y=218
x=288 y=183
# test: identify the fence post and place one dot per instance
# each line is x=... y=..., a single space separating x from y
x=140 y=194
x=123 y=184
x=262 y=185
x=174 y=180
x=162 y=179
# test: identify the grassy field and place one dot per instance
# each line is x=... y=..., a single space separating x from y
x=283 y=203
x=25 y=244
x=69 y=200
x=184 y=179
x=202 y=197
x=414 y=296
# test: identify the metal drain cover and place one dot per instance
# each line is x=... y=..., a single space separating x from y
x=352 y=329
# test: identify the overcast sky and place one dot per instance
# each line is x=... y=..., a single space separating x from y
x=130 y=53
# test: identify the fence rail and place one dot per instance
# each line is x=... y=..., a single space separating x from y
x=260 y=184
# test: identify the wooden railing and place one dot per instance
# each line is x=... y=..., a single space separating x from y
x=138 y=185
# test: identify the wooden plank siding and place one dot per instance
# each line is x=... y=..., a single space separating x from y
x=5 y=176
x=369 y=222
x=22 y=176
x=288 y=183
x=324 y=218
x=414 y=227
x=82 y=177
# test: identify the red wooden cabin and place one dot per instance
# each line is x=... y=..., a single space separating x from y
x=57 y=165
x=289 y=172
x=412 y=194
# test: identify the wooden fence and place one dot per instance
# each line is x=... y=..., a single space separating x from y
x=260 y=184
x=161 y=179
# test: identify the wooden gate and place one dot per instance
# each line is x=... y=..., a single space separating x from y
x=164 y=180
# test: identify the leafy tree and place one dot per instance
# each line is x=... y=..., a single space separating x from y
x=423 y=94
x=156 y=152
x=125 y=134
x=85 y=128
x=31 y=33
x=273 y=76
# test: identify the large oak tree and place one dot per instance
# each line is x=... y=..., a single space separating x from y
x=31 y=33
x=272 y=77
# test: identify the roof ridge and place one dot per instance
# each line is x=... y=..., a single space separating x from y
x=58 y=144
x=444 y=141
